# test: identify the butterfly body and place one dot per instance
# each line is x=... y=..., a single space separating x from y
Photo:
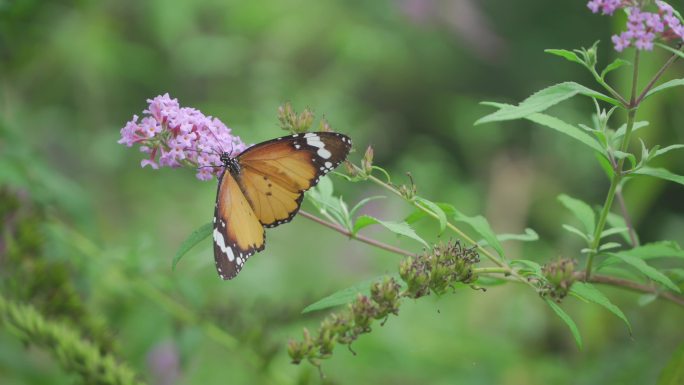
x=263 y=187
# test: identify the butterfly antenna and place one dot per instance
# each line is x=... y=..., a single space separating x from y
x=217 y=140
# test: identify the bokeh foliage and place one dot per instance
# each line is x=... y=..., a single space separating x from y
x=94 y=235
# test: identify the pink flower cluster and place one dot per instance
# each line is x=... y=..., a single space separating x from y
x=175 y=136
x=642 y=27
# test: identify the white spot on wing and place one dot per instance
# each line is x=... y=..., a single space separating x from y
x=328 y=165
x=220 y=242
x=323 y=153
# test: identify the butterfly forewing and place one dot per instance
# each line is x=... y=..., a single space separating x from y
x=276 y=173
x=238 y=233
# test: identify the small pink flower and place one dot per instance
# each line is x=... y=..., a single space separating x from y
x=643 y=27
x=621 y=41
x=149 y=162
x=174 y=136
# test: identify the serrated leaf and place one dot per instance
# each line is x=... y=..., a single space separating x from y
x=617 y=63
x=529 y=236
x=667 y=149
x=664 y=249
x=647 y=270
x=568 y=321
x=482 y=227
x=347 y=295
x=564 y=53
x=590 y=293
x=673 y=373
x=576 y=231
x=581 y=210
x=542 y=100
x=193 y=239
x=441 y=215
x=665 y=86
x=567 y=129
x=400 y=228
x=660 y=173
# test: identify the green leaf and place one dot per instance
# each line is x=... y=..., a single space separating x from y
x=542 y=100
x=582 y=211
x=668 y=48
x=419 y=214
x=400 y=228
x=564 y=53
x=648 y=251
x=609 y=245
x=576 y=231
x=481 y=226
x=345 y=296
x=668 y=149
x=568 y=321
x=623 y=129
x=528 y=266
x=614 y=230
x=529 y=236
x=617 y=63
x=605 y=165
x=664 y=86
x=195 y=237
x=647 y=270
x=363 y=202
x=673 y=373
x=618 y=222
x=590 y=293
x=441 y=215
x=567 y=129
x=660 y=173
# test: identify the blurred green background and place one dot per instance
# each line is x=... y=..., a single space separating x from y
x=88 y=236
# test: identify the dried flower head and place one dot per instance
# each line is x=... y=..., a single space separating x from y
x=175 y=136
x=439 y=269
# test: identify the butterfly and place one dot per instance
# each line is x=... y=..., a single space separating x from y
x=263 y=186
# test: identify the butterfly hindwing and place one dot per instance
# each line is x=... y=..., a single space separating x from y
x=275 y=174
x=238 y=234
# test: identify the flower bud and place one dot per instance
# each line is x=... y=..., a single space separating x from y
x=304 y=121
x=559 y=276
x=367 y=161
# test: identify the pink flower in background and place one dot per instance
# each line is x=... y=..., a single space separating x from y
x=642 y=27
x=175 y=136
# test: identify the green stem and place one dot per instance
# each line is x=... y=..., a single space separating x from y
x=491 y=270
x=610 y=89
x=617 y=172
x=481 y=250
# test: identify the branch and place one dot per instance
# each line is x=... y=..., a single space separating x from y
x=358 y=237
x=634 y=286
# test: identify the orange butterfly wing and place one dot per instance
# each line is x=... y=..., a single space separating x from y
x=238 y=233
x=266 y=189
x=275 y=174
